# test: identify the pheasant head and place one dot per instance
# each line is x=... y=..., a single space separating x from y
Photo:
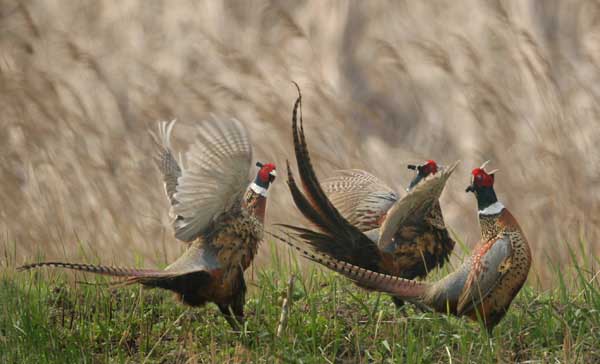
x=423 y=170
x=264 y=177
x=482 y=185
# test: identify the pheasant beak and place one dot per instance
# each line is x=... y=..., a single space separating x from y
x=272 y=176
x=418 y=177
x=471 y=187
x=415 y=181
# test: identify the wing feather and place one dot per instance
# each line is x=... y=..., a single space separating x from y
x=216 y=176
x=415 y=203
x=165 y=160
x=360 y=197
x=485 y=273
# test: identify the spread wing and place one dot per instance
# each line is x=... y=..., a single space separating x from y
x=165 y=159
x=215 y=178
x=415 y=204
x=489 y=264
x=360 y=197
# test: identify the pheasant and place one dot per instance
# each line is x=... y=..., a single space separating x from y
x=365 y=202
x=483 y=286
x=363 y=222
x=216 y=211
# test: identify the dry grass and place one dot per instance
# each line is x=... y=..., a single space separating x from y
x=384 y=84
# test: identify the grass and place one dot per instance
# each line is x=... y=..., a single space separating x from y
x=44 y=318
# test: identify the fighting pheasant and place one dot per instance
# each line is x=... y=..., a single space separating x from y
x=365 y=223
x=367 y=203
x=483 y=286
x=216 y=210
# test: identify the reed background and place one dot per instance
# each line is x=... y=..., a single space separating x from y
x=384 y=84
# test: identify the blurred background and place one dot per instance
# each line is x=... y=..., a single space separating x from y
x=384 y=84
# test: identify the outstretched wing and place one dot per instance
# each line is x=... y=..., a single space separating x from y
x=337 y=237
x=165 y=159
x=489 y=264
x=215 y=178
x=360 y=197
x=414 y=205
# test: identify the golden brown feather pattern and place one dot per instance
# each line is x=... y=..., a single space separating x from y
x=215 y=210
x=484 y=286
x=364 y=222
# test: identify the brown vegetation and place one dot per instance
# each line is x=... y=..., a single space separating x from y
x=385 y=83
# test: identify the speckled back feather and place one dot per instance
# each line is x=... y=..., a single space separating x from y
x=360 y=197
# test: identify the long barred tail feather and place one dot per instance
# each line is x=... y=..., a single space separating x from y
x=99 y=269
x=397 y=286
x=315 y=193
x=337 y=238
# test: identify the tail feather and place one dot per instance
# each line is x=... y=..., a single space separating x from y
x=303 y=204
x=307 y=174
x=100 y=269
x=191 y=286
x=403 y=288
x=338 y=238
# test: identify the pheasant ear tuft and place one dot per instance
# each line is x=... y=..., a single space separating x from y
x=491 y=173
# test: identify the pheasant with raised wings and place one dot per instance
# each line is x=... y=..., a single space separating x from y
x=483 y=287
x=420 y=243
x=216 y=210
x=365 y=223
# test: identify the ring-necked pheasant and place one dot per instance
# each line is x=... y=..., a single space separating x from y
x=483 y=286
x=366 y=223
x=216 y=210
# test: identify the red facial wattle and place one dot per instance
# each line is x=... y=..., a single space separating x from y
x=265 y=174
x=430 y=167
x=481 y=178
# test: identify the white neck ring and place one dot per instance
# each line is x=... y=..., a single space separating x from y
x=258 y=189
x=492 y=209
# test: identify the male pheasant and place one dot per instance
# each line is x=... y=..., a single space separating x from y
x=422 y=242
x=217 y=211
x=483 y=286
x=365 y=223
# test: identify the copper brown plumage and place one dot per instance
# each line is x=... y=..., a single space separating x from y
x=482 y=287
x=420 y=244
x=366 y=223
x=215 y=210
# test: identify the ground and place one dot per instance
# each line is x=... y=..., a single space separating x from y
x=46 y=317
